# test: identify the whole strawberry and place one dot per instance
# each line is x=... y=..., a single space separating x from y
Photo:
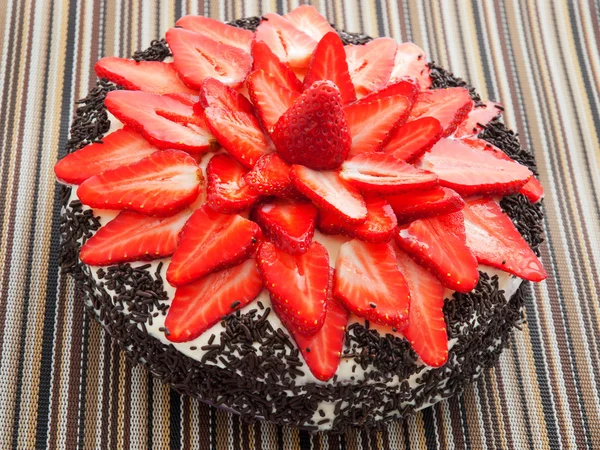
x=314 y=131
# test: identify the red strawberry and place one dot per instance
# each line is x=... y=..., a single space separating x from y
x=270 y=99
x=154 y=77
x=408 y=88
x=159 y=185
x=382 y=173
x=426 y=330
x=271 y=176
x=494 y=240
x=368 y=283
x=199 y=305
x=309 y=20
x=132 y=237
x=166 y=121
x=328 y=191
x=229 y=116
x=218 y=31
x=372 y=123
x=227 y=191
x=371 y=65
x=533 y=190
x=411 y=61
x=450 y=106
x=297 y=283
x=197 y=57
x=439 y=243
x=414 y=138
x=478 y=118
x=314 y=131
x=289 y=225
x=211 y=241
x=285 y=40
x=470 y=171
x=379 y=226
x=118 y=148
x=265 y=59
x=413 y=205
x=328 y=62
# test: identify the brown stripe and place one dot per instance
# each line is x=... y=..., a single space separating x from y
x=502 y=395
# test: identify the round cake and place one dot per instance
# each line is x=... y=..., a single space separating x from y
x=298 y=224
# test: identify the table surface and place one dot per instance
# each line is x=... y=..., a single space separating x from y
x=63 y=384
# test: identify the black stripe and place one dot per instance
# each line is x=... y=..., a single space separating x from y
x=430 y=428
x=380 y=23
x=213 y=427
x=280 y=6
x=485 y=56
x=82 y=393
x=175 y=431
x=406 y=435
x=280 y=437
x=178 y=14
x=464 y=423
x=305 y=440
x=150 y=401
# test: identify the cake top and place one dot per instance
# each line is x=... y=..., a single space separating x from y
x=234 y=153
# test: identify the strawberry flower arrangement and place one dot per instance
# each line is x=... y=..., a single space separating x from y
x=299 y=133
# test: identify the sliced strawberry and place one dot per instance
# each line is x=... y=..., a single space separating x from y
x=154 y=77
x=533 y=190
x=270 y=99
x=199 y=305
x=309 y=20
x=494 y=240
x=218 y=31
x=426 y=330
x=414 y=138
x=166 y=121
x=285 y=40
x=159 y=185
x=439 y=244
x=211 y=241
x=470 y=171
x=313 y=131
x=215 y=94
x=382 y=173
x=271 y=176
x=328 y=191
x=408 y=88
x=328 y=62
x=265 y=59
x=228 y=192
x=368 y=283
x=372 y=123
x=450 y=106
x=413 y=205
x=379 y=226
x=197 y=57
x=371 y=65
x=411 y=61
x=119 y=148
x=297 y=283
x=478 y=118
x=289 y=225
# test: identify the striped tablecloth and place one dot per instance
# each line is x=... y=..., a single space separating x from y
x=63 y=384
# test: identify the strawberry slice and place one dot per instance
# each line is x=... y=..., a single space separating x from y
x=154 y=77
x=413 y=205
x=313 y=131
x=309 y=20
x=229 y=116
x=285 y=40
x=369 y=284
x=298 y=285
x=227 y=191
x=426 y=330
x=372 y=123
x=329 y=192
x=382 y=173
x=450 y=106
x=408 y=88
x=494 y=240
x=270 y=99
x=379 y=226
x=289 y=225
x=197 y=57
x=271 y=176
x=478 y=118
x=414 y=138
x=533 y=190
x=328 y=62
x=439 y=244
x=218 y=31
x=132 y=237
x=211 y=241
x=158 y=185
x=411 y=61
x=265 y=59
x=166 y=121
x=118 y=148
x=199 y=305
x=471 y=171
x=371 y=65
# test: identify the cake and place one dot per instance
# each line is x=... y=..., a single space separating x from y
x=298 y=224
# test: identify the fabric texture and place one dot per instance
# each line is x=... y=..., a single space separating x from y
x=63 y=384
